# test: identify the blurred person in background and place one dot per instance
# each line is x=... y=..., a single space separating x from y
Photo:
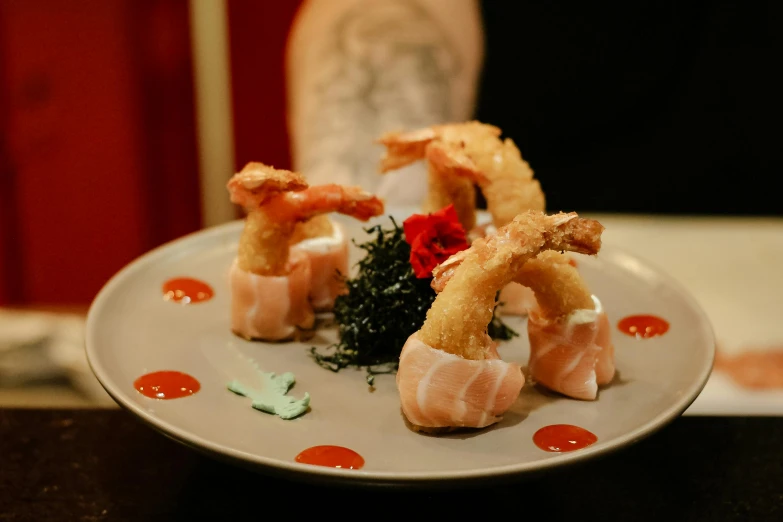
x=651 y=107
x=358 y=68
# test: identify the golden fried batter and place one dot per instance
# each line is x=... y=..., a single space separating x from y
x=558 y=286
x=452 y=175
x=458 y=318
x=275 y=201
x=317 y=226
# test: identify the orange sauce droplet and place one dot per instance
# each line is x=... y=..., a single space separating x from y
x=643 y=326
x=563 y=437
x=572 y=262
x=331 y=456
x=187 y=290
x=167 y=384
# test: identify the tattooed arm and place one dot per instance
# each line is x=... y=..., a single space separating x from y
x=358 y=68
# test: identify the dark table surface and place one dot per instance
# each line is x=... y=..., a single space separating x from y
x=105 y=465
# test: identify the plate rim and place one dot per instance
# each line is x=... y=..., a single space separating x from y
x=363 y=477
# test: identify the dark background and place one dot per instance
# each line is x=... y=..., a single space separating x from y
x=663 y=107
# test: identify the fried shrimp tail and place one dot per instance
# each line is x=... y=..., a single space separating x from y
x=320 y=199
x=582 y=236
x=452 y=175
x=458 y=318
x=404 y=148
x=324 y=242
x=276 y=202
x=272 y=284
x=450 y=375
x=256 y=183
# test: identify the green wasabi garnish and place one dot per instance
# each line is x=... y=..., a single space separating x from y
x=272 y=398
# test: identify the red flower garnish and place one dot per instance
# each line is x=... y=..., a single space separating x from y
x=433 y=239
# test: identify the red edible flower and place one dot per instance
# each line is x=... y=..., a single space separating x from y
x=433 y=239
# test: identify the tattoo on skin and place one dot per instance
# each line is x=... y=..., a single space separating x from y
x=386 y=67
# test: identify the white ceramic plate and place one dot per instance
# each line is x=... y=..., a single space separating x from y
x=131 y=331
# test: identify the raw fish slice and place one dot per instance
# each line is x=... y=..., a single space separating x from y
x=328 y=256
x=564 y=353
x=272 y=308
x=604 y=367
x=442 y=390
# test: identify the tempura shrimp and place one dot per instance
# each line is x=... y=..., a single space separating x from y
x=450 y=375
x=472 y=153
x=557 y=285
x=571 y=351
x=508 y=185
x=452 y=175
x=458 y=318
x=276 y=201
x=272 y=283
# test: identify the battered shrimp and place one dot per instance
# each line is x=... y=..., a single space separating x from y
x=276 y=200
x=450 y=375
x=458 y=318
x=571 y=351
x=558 y=287
x=452 y=175
x=272 y=283
x=315 y=227
x=508 y=185
x=506 y=180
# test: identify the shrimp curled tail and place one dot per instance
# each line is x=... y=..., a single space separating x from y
x=329 y=254
x=458 y=318
x=452 y=174
x=406 y=147
x=321 y=199
x=256 y=183
x=580 y=235
x=571 y=350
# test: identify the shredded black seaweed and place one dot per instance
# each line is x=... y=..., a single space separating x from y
x=384 y=305
x=497 y=329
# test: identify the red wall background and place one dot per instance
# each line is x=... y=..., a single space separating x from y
x=98 y=158
x=258 y=32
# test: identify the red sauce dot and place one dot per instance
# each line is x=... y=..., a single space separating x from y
x=331 y=456
x=643 y=326
x=563 y=437
x=166 y=385
x=572 y=262
x=187 y=290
